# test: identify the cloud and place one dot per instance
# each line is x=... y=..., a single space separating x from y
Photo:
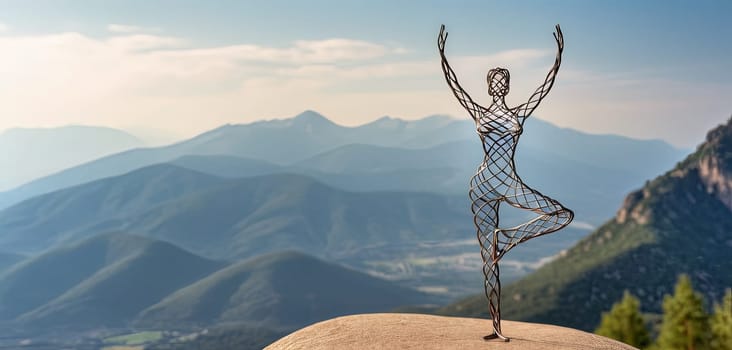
x=156 y=81
x=301 y=52
x=4 y=28
x=128 y=29
x=142 y=42
x=136 y=78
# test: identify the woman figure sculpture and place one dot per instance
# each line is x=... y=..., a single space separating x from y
x=496 y=181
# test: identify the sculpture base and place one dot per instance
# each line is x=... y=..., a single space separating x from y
x=496 y=336
x=415 y=331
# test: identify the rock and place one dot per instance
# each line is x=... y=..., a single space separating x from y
x=415 y=331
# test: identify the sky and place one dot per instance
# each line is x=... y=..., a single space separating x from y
x=647 y=69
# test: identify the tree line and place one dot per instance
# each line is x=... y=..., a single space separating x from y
x=685 y=324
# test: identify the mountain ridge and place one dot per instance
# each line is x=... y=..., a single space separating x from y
x=276 y=141
x=46 y=216
x=42 y=280
x=306 y=290
x=39 y=152
x=223 y=218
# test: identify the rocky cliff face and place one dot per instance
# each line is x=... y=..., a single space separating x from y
x=680 y=222
x=715 y=165
x=711 y=165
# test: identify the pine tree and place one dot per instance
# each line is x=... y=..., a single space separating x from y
x=685 y=323
x=721 y=324
x=625 y=323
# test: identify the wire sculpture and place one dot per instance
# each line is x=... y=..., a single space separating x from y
x=496 y=181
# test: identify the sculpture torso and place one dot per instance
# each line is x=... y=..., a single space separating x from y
x=499 y=130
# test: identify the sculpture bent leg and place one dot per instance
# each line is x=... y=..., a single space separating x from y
x=496 y=242
x=552 y=215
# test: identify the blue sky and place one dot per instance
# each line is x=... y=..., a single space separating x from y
x=650 y=69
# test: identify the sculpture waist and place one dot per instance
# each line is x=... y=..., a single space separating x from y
x=495 y=135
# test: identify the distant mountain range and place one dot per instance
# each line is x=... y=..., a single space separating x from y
x=284 y=289
x=435 y=154
x=29 y=154
x=105 y=280
x=229 y=218
x=41 y=222
x=114 y=280
x=681 y=222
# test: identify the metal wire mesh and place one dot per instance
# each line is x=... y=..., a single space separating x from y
x=496 y=181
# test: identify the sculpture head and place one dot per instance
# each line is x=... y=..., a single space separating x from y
x=498 y=81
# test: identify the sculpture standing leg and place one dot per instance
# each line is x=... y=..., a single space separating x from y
x=492 y=285
x=485 y=216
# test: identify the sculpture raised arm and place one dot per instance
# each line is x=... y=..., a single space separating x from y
x=465 y=100
x=524 y=111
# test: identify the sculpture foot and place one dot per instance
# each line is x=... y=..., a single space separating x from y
x=496 y=336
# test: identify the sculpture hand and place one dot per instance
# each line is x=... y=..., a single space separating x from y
x=441 y=39
x=559 y=38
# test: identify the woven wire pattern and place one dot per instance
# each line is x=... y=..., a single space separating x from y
x=496 y=181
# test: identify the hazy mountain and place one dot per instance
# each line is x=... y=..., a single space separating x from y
x=102 y=281
x=32 y=153
x=44 y=221
x=394 y=132
x=646 y=158
x=590 y=190
x=680 y=222
x=363 y=158
x=289 y=141
x=226 y=218
x=154 y=137
x=390 y=234
x=229 y=166
x=286 y=289
x=262 y=214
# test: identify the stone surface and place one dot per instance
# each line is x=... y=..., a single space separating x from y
x=415 y=331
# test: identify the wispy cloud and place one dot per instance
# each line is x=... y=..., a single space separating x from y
x=128 y=29
x=301 y=52
x=129 y=78
x=145 y=79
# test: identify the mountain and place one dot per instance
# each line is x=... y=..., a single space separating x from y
x=278 y=141
x=102 y=281
x=41 y=152
x=394 y=132
x=290 y=141
x=647 y=158
x=229 y=218
x=592 y=191
x=285 y=289
x=255 y=215
x=228 y=166
x=681 y=222
x=43 y=221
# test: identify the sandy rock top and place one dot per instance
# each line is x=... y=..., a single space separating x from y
x=415 y=331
